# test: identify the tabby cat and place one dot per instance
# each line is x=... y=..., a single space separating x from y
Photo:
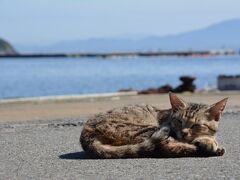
x=185 y=130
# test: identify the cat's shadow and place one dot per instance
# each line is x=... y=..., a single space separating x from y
x=83 y=156
x=75 y=156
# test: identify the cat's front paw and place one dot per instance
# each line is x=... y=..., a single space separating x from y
x=204 y=151
x=161 y=134
x=208 y=149
x=220 y=152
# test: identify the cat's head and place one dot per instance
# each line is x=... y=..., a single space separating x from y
x=192 y=120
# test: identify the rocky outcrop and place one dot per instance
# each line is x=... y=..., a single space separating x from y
x=187 y=85
x=163 y=89
x=6 y=48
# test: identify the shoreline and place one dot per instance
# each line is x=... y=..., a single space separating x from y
x=75 y=107
x=99 y=96
x=65 y=98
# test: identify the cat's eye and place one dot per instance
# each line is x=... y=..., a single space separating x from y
x=198 y=126
x=208 y=128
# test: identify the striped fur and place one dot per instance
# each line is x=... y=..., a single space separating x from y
x=188 y=129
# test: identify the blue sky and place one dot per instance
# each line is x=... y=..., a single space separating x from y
x=40 y=22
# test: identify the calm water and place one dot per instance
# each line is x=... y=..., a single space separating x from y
x=43 y=77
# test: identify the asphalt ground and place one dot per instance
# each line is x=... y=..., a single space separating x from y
x=51 y=150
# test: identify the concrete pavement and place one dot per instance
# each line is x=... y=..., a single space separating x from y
x=50 y=150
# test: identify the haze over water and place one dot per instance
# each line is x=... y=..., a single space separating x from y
x=45 y=77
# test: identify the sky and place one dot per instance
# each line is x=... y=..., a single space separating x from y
x=43 y=22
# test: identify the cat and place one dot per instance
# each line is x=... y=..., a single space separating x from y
x=135 y=131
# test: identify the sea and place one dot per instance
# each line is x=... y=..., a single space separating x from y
x=32 y=77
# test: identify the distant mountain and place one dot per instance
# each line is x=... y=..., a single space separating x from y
x=221 y=35
x=6 y=48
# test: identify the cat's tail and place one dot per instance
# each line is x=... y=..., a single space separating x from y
x=124 y=151
x=95 y=148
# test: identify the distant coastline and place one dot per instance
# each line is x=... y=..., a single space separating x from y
x=123 y=54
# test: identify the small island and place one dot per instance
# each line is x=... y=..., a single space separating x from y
x=6 y=48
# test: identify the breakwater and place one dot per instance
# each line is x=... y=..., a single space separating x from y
x=122 y=54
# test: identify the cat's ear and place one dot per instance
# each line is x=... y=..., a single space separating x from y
x=176 y=102
x=216 y=109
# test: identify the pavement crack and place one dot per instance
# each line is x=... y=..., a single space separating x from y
x=67 y=124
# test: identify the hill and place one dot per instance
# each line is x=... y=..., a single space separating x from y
x=217 y=36
x=6 y=48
